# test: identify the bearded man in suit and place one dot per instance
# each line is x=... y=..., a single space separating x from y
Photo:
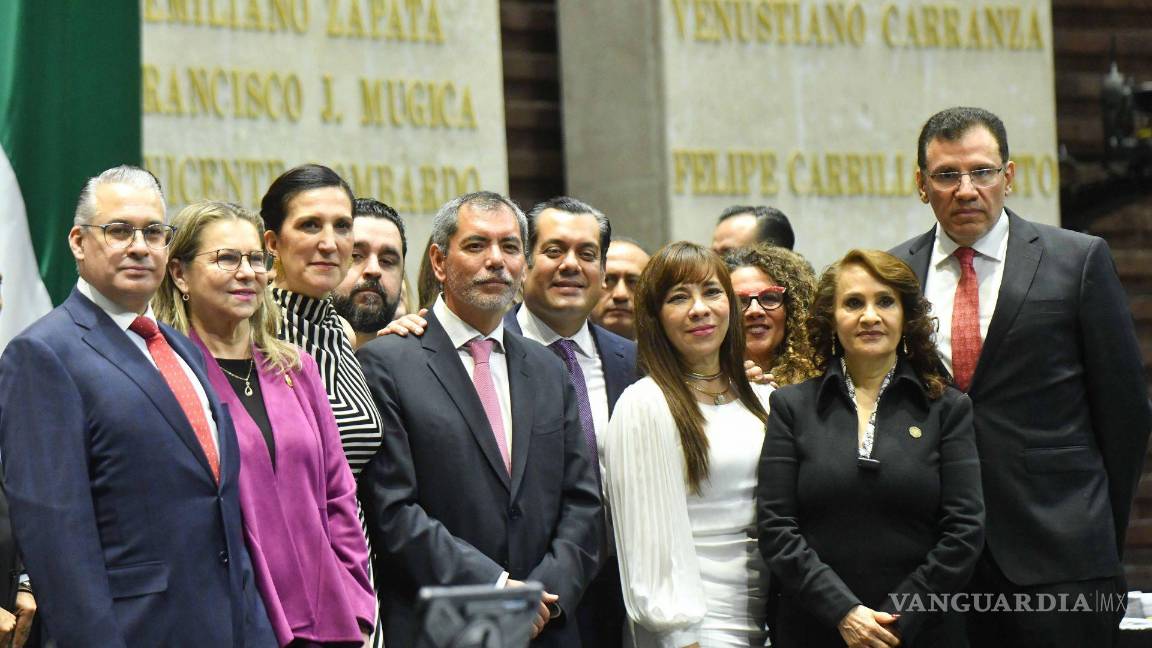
x=484 y=475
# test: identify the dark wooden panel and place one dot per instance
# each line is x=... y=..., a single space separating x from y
x=532 y=100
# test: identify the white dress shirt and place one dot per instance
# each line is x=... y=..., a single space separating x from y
x=944 y=275
x=460 y=332
x=123 y=318
x=587 y=357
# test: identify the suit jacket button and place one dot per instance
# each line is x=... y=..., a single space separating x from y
x=514 y=513
x=223 y=557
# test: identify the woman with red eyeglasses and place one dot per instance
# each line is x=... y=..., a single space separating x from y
x=774 y=286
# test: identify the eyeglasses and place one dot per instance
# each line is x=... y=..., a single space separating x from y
x=951 y=179
x=769 y=299
x=229 y=260
x=121 y=235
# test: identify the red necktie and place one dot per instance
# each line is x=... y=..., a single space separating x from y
x=181 y=387
x=481 y=350
x=966 y=342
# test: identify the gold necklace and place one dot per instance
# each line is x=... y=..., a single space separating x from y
x=247 y=383
x=699 y=376
x=717 y=397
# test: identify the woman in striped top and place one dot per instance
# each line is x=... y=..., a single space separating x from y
x=308 y=215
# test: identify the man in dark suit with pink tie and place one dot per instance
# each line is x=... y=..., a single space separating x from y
x=485 y=475
x=120 y=462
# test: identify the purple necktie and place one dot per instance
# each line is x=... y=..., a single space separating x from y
x=481 y=350
x=566 y=349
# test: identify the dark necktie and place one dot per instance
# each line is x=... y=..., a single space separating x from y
x=181 y=387
x=566 y=349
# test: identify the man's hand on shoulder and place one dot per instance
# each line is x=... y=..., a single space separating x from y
x=410 y=323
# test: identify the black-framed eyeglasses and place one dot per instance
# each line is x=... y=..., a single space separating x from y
x=120 y=235
x=229 y=260
x=769 y=299
x=979 y=177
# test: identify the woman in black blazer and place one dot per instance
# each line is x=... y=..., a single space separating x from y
x=869 y=499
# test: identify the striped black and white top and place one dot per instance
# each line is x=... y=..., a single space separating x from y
x=313 y=325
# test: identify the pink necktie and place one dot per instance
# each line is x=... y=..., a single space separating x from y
x=181 y=387
x=966 y=342
x=481 y=350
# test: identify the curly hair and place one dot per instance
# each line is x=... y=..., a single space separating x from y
x=793 y=358
x=919 y=324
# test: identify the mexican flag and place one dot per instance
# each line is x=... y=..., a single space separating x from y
x=69 y=108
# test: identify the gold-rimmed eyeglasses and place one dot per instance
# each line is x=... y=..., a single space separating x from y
x=229 y=260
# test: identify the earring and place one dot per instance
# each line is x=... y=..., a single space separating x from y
x=923 y=197
x=835 y=349
x=905 y=343
x=184 y=296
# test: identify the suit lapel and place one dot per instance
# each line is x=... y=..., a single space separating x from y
x=614 y=362
x=106 y=339
x=1020 y=263
x=520 y=390
x=919 y=253
x=510 y=321
x=444 y=362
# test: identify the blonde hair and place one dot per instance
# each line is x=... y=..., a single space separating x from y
x=279 y=356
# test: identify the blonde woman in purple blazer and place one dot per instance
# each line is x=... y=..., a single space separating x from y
x=296 y=489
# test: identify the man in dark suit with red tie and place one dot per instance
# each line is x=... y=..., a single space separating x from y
x=485 y=475
x=1035 y=327
x=120 y=462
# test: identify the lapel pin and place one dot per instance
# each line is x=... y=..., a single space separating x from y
x=914 y=432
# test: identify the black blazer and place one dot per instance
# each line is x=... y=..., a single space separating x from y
x=1061 y=406
x=441 y=508
x=617 y=355
x=127 y=537
x=836 y=535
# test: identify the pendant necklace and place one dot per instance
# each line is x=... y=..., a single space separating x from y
x=246 y=379
x=718 y=398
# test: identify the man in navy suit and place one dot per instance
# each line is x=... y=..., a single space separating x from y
x=120 y=462
x=1035 y=327
x=485 y=475
x=567 y=247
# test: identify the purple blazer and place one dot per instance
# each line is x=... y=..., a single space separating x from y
x=300 y=521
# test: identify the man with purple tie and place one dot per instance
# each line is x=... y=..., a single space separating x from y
x=485 y=475
x=567 y=248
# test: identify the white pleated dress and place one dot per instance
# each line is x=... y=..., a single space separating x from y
x=690 y=567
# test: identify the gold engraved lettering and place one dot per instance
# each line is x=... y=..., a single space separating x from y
x=415 y=21
x=416 y=103
x=238 y=15
x=219 y=93
x=949 y=26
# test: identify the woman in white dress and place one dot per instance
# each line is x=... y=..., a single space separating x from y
x=681 y=456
